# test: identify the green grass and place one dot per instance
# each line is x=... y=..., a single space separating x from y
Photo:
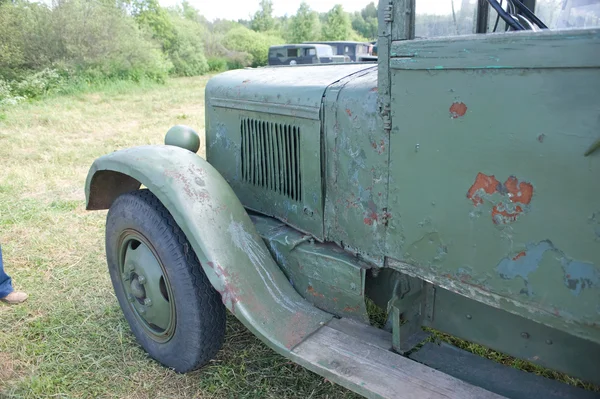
x=70 y=340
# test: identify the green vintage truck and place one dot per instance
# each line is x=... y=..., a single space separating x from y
x=453 y=186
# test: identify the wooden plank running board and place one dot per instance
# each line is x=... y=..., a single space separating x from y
x=375 y=372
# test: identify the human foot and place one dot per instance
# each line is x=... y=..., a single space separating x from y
x=15 y=297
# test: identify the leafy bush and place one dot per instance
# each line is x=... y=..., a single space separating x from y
x=187 y=51
x=38 y=84
x=251 y=42
x=6 y=95
x=217 y=64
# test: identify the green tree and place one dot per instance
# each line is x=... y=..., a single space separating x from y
x=242 y=39
x=304 y=26
x=263 y=20
x=338 y=25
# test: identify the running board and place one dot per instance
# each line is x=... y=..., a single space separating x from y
x=359 y=358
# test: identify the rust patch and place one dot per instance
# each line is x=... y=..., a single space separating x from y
x=246 y=81
x=483 y=184
x=348 y=112
x=313 y=292
x=371 y=218
x=374 y=89
x=520 y=192
x=519 y=255
x=458 y=110
x=352 y=309
x=519 y=195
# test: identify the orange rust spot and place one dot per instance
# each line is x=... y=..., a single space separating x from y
x=519 y=255
x=374 y=89
x=351 y=309
x=520 y=192
x=312 y=291
x=371 y=218
x=348 y=112
x=457 y=110
x=246 y=81
x=489 y=184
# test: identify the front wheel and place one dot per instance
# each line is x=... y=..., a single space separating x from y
x=173 y=310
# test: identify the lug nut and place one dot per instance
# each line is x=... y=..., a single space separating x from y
x=549 y=341
x=469 y=317
x=141 y=279
x=148 y=302
x=525 y=335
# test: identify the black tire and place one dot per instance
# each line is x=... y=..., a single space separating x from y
x=197 y=315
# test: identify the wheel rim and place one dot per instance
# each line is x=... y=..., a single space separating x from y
x=146 y=285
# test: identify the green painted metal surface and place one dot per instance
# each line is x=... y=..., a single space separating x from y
x=515 y=335
x=356 y=166
x=266 y=139
x=490 y=192
x=231 y=252
x=324 y=274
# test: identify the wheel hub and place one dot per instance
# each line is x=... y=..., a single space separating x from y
x=146 y=287
x=137 y=289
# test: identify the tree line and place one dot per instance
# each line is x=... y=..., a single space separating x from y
x=46 y=48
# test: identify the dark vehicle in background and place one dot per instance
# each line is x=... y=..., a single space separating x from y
x=295 y=54
x=357 y=51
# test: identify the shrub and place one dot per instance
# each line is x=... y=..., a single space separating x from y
x=217 y=64
x=38 y=84
x=254 y=43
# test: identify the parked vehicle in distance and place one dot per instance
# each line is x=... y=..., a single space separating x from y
x=357 y=51
x=295 y=54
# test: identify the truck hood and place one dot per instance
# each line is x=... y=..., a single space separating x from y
x=299 y=87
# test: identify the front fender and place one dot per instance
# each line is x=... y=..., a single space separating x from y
x=232 y=254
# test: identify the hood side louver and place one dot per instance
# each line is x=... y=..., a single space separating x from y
x=271 y=157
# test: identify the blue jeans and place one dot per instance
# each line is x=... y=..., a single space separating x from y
x=5 y=282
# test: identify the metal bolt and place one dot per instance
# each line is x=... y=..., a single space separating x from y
x=130 y=298
x=525 y=335
x=549 y=341
x=141 y=279
x=469 y=317
x=148 y=302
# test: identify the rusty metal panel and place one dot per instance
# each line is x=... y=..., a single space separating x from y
x=263 y=133
x=357 y=150
x=491 y=195
x=323 y=273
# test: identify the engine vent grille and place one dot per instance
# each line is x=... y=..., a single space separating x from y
x=271 y=157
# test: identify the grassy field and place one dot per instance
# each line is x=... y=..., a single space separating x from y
x=70 y=339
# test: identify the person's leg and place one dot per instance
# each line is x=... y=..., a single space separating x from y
x=5 y=280
x=7 y=293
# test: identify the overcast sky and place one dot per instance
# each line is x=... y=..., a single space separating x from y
x=243 y=9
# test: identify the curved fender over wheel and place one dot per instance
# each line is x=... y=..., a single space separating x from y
x=232 y=254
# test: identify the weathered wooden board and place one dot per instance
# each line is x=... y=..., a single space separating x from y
x=378 y=373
